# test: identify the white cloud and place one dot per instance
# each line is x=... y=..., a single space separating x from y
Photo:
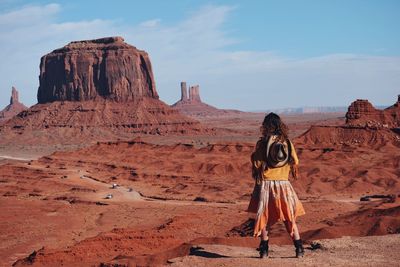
x=31 y=32
x=28 y=15
x=150 y=23
x=195 y=49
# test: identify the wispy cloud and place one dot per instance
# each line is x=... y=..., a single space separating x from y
x=198 y=49
x=28 y=15
x=150 y=23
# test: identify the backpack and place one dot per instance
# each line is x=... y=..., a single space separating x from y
x=278 y=153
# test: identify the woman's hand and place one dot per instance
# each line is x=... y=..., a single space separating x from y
x=255 y=173
x=294 y=169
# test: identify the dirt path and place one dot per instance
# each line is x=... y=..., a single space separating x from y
x=122 y=193
x=345 y=251
x=15 y=158
x=119 y=193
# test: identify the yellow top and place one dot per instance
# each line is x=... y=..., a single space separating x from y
x=258 y=160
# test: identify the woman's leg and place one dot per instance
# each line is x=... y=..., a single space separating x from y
x=264 y=247
x=298 y=243
x=264 y=233
x=296 y=234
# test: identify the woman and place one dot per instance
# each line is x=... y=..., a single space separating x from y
x=273 y=198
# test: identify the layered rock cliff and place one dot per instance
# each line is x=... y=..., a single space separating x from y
x=102 y=68
x=13 y=108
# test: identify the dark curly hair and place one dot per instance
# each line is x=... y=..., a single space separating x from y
x=273 y=125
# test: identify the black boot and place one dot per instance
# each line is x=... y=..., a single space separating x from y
x=299 y=248
x=264 y=249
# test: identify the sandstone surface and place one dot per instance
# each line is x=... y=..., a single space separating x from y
x=182 y=189
x=192 y=193
x=13 y=108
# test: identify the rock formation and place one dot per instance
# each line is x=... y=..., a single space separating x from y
x=14 y=96
x=365 y=125
x=194 y=107
x=194 y=93
x=13 y=108
x=102 y=68
x=94 y=90
x=362 y=113
x=184 y=96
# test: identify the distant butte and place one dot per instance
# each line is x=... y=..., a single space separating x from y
x=13 y=108
x=362 y=113
x=193 y=106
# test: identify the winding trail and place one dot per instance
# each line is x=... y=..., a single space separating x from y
x=15 y=158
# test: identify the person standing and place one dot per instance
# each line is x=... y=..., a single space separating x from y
x=274 y=198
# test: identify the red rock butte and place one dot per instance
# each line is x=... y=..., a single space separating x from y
x=101 y=68
x=362 y=113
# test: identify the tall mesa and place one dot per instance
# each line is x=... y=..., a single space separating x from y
x=101 y=68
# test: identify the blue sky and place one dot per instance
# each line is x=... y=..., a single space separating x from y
x=248 y=55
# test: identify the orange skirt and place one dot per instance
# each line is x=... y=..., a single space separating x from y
x=277 y=201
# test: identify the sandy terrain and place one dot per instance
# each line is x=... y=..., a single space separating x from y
x=345 y=251
x=177 y=193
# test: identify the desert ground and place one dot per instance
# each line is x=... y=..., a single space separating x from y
x=181 y=200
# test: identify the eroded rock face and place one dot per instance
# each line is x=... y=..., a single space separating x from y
x=102 y=68
x=362 y=113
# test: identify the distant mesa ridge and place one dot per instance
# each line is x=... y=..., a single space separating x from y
x=105 y=68
x=365 y=125
x=307 y=110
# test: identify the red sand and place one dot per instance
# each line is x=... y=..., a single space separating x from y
x=58 y=201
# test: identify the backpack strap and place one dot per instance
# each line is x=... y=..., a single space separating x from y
x=290 y=159
x=265 y=165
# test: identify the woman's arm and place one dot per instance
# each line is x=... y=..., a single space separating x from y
x=294 y=166
x=257 y=159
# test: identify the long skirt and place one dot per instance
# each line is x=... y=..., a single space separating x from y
x=277 y=201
